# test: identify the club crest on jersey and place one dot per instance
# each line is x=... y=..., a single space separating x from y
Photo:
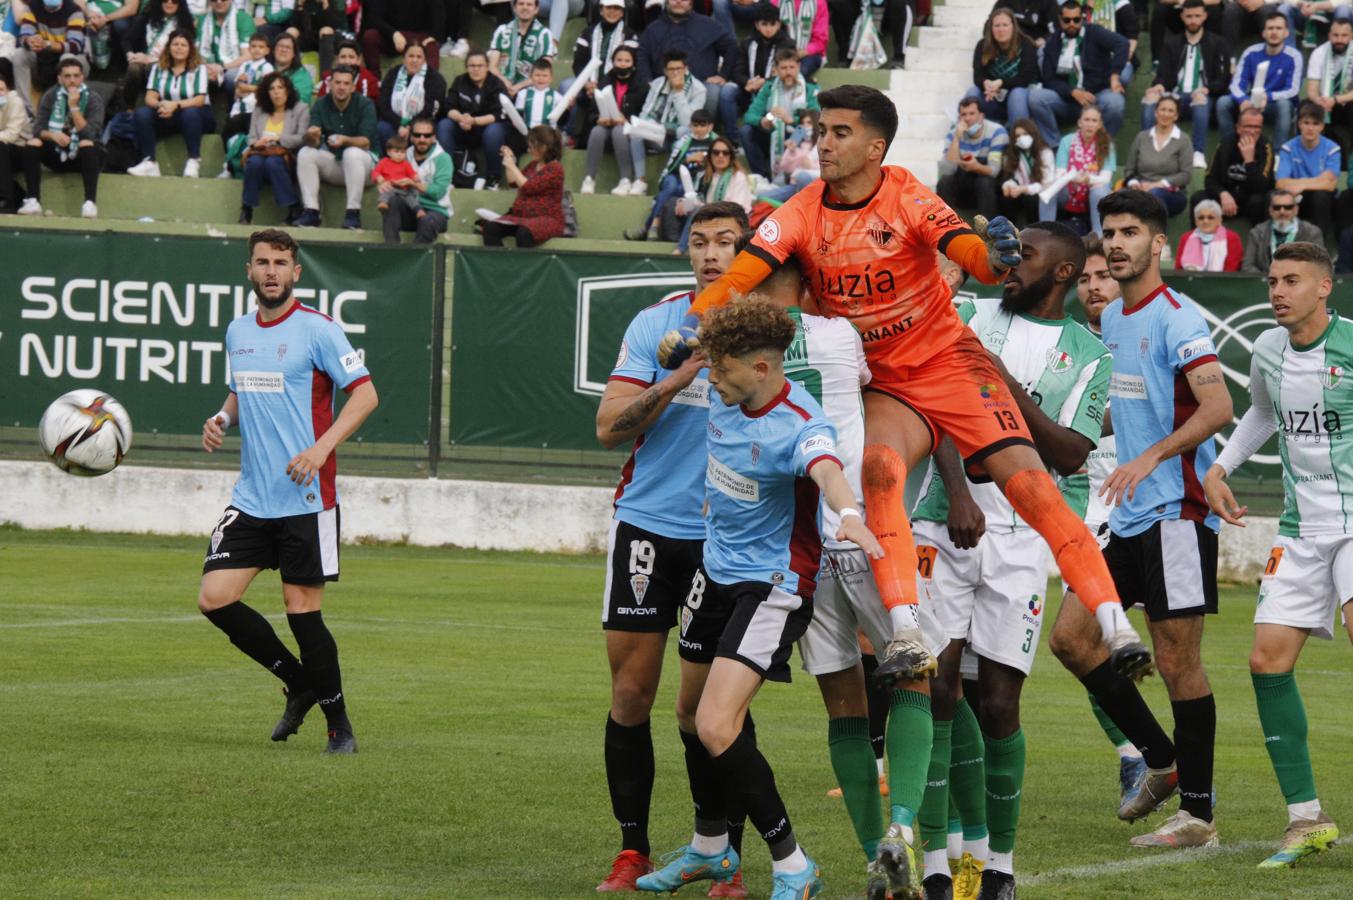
x=639 y=585
x=777 y=578
x=1059 y=360
x=624 y=355
x=756 y=453
x=1332 y=376
x=686 y=616
x=216 y=538
x=1145 y=346
x=281 y=351
x=880 y=233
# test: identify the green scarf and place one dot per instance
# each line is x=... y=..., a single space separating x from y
x=1191 y=77
x=720 y=186
x=1274 y=241
x=1342 y=74
x=60 y=113
x=799 y=27
x=407 y=97
x=789 y=101
x=214 y=36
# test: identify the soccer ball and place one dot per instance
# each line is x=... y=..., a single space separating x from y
x=85 y=432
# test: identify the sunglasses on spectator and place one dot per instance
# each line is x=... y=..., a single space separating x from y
x=1071 y=20
x=423 y=134
x=1282 y=207
x=720 y=153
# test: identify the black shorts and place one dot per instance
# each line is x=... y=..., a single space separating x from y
x=304 y=547
x=1170 y=569
x=753 y=622
x=647 y=578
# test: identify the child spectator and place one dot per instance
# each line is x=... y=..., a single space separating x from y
x=393 y=175
x=247 y=78
x=690 y=151
x=349 y=54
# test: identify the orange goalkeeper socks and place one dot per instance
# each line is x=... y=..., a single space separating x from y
x=885 y=477
x=1035 y=497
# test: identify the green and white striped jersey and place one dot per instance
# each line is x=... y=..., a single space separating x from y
x=1063 y=367
x=827 y=358
x=191 y=83
x=1304 y=393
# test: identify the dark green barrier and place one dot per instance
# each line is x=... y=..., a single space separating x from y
x=144 y=318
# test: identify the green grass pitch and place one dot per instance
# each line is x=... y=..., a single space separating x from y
x=136 y=761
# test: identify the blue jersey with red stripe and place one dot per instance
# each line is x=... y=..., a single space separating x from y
x=283 y=373
x=763 y=508
x=662 y=484
x=1154 y=345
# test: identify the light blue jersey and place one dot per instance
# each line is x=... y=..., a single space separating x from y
x=1154 y=345
x=662 y=483
x=283 y=373
x=763 y=508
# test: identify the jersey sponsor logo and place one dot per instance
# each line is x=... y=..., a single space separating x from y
x=260 y=382
x=624 y=354
x=352 y=361
x=1197 y=348
x=1059 y=360
x=989 y=391
x=769 y=231
x=694 y=394
x=1036 y=605
x=1309 y=424
x=215 y=556
x=731 y=484
x=848 y=286
x=817 y=445
x=1330 y=376
x=639 y=585
x=893 y=329
x=1131 y=387
x=777 y=578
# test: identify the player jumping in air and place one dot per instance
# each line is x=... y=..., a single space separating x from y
x=865 y=236
x=653 y=551
x=1300 y=387
x=286 y=359
x=989 y=588
x=1169 y=397
x=770 y=449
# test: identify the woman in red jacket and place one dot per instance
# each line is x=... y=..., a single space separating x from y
x=538 y=212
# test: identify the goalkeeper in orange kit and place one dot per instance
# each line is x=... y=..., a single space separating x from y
x=865 y=236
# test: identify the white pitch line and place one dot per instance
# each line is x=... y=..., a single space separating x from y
x=279 y=618
x=1153 y=861
x=112 y=620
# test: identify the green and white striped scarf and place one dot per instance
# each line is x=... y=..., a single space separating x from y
x=604 y=43
x=1191 y=76
x=60 y=119
x=158 y=38
x=720 y=185
x=407 y=96
x=800 y=26
x=660 y=106
x=788 y=100
x=213 y=37
x=1338 y=76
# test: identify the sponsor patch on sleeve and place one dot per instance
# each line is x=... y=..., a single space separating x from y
x=769 y=231
x=1197 y=348
x=624 y=354
x=353 y=361
x=817 y=445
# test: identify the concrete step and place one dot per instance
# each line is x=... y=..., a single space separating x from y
x=927 y=102
x=911 y=83
x=946 y=39
x=950 y=16
x=935 y=59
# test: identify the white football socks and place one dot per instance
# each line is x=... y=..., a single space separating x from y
x=904 y=617
x=979 y=848
x=794 y=862
x=1002 y=862
x=1128 y=751
x=1310 y=811
x=708 y=845
x=936 y=863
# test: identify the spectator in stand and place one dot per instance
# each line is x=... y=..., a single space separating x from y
x=1309 y=167
x=1193 y=64
x=394 y=175
x=16 y=128
x=1267 y=78
x=1118 y=16
x=776 y=110
x=108 y=25
x=1167 y=23
x=1304 y=18
x=972 y=159
x=177 y=101
x=1027 y=166
x=276 y=131
x=1081 y=68
x=1240 y=176
x=599 y=39
x=755 y=60
x=472 y=107
x=1160 y=159
x=689 y=152
x=536 y=103
x=1037 y=19
x=1283 y=227
x=1329 y=82
x=47 y=31
x=672 y=98
x=432 y=182
x=708 y=50
x=516 y=45
x=318 y=25
x=1004 y=67
x=148 y=36
x=245 y=79
x=557 y=13
x=798 y=166
x=805 y=23
x=537 y=214
x=893 y=16
x=340 y=147
x=388 y=26
x=1243 y=19
x=630 y=155
x=271 y=17
x=409 y=91
x=457 y=11
x=1087 y=152
x=287 y=60
x=729 y=12
x=724 y=180
x=1209 y=246
x=347 y=53
x=224 y=34
x=67 y=137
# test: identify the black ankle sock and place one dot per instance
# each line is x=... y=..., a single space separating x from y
x=1124 y=704
x=745 y=772
x=254 y=636
x=734 y=809
x=1195 y=736
x=879 y=700
x=706 y=786
x=319 y=656
x=629 y=775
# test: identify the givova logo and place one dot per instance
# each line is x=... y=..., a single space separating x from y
x=605 y=304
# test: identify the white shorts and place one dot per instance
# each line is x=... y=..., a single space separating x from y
x=847 y=602
x=1307 y=580
x=991 y=596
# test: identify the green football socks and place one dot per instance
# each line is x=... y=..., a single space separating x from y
x=934 y=816
x=967 y=773
x=1282 y=715
x=908 y=739
x=857 y=773
x=1005 y=783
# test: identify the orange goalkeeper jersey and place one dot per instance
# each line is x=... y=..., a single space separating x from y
x=873 y=262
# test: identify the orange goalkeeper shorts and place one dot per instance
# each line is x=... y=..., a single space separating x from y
x=957 y=392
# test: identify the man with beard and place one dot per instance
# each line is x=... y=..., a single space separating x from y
x=1329 y=82
x=1169 y=399
x=285 y=361
x=990 y=585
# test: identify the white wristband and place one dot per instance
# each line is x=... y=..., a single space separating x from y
x=849 y=511
x=225 y=425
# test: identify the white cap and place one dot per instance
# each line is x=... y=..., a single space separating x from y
x=619 y=3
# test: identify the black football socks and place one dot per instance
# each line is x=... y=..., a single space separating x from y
x=629 y=775
x=319 y=656
x=1120 y=698
x=254 y=636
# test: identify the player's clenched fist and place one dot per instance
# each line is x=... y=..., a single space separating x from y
x=1002 y=240
x=678 y=346
x=213 y=432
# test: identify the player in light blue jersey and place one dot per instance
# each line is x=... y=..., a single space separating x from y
x=770 y=450
x=285 y=362
x=656 y=535
x=1168 y=399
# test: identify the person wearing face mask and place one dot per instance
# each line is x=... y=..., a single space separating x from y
x=1283 y=227
x=1024 y=172
x=972 y=159
x=629 y=93
x=48 y=29
x=1209 y=246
